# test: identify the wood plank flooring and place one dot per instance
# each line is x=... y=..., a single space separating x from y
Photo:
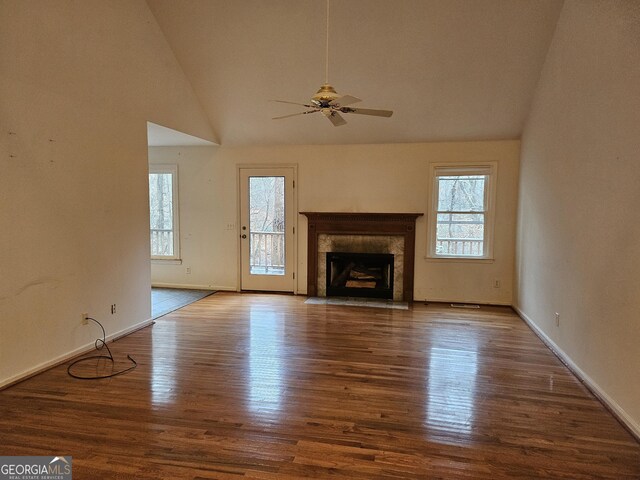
x=266 y=387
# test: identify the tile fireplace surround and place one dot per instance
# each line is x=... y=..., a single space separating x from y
x=355 y=232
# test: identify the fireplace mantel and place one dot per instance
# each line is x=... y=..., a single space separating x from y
x=347 y=223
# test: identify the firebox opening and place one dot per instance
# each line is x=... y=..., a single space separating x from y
x=360 y=275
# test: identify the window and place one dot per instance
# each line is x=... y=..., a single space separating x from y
x=462 y=207
x=163 y=210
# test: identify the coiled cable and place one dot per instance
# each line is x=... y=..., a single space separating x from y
x=100 y=343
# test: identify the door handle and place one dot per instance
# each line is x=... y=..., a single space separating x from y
x=244 y=235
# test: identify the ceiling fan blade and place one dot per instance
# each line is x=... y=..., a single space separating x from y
x=367 y=111
x=335 y=118
x=295 y=114
x=345 y=100
x=293 y=103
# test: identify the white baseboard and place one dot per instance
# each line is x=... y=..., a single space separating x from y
x=123 y=333
x=187 y=286
x=597 y=391
x=65 y=357
x=443 y=300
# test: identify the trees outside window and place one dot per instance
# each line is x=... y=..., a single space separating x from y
x=267 y=224
x=163 y=211
x=462 y=205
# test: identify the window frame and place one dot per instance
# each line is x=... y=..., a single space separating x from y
x=173 y=170
x=436 y=170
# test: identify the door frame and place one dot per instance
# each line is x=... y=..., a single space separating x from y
x=294 y=248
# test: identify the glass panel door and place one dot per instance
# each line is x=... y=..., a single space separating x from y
x=266 y=233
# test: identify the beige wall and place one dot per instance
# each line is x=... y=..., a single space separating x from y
x=78 y=82
x=203 y=221
x=579 y=229
x=366 y=178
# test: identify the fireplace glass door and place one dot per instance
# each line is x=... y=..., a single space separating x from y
x=360 y=275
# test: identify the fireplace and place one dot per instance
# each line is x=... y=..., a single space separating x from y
x=359 y=275
x=359 y=233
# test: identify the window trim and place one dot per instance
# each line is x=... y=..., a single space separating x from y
x=173 y=170
x=490 y=169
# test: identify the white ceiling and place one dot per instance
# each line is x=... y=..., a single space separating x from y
x=159 y=136
x=450 y=69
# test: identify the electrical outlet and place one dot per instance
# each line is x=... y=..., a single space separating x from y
x=85 y=318
x=496 y=284
x=188 y=270
x=113 y=309
x=557 y=319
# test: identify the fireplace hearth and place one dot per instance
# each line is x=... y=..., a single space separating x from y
x=359 y=275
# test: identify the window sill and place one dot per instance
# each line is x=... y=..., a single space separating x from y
x=166 y=261
x=459 y=260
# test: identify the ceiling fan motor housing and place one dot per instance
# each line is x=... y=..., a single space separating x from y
x=325 y=95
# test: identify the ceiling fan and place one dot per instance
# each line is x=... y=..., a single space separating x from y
x=328 y=102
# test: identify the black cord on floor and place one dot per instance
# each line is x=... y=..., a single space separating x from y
x=99 y=344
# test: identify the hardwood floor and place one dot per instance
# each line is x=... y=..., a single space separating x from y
x=266 y=387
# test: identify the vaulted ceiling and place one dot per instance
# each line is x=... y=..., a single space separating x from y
x=449 y=69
